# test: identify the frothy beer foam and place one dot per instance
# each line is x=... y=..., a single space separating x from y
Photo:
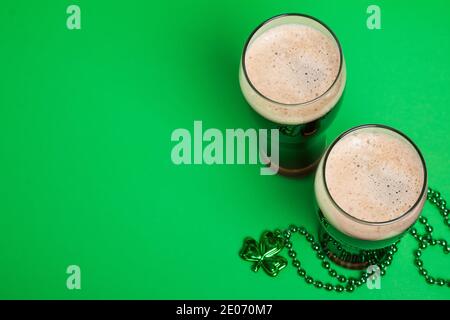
x=374 y=175
x=292 y=63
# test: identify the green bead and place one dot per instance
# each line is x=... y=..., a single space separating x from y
x=288 y=244
x=429 y=229
x=350 y=288
x=422 y=245
x=326 y=264
x=293 y=228
x=413 y=231
x=310 y=238
x=351 y=281
x=423 y=220
x=418 y=253
x=430 y=280
x=443 y=243
x=328 y=286
x=382 y=272
x=339 y=288
x=358 y=283
x=320 y=256
x=440 y=282
x=332 y=273
x=296 y=263
x=309 y=280
x=318 y=284
x=301 y=272
x=445 y=212
x=423 y=272
x=342 y=279
x=447 y=250
x=316 y=247
x=419 y=263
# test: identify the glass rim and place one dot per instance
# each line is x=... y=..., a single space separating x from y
x=401 y=134
x=280 y=16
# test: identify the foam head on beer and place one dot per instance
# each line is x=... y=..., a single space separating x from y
x=375 y=175
x=292 y=65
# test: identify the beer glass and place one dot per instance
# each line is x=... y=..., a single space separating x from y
x=355 y=240
x=301 y=125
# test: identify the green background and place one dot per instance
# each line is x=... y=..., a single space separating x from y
x=86 y=117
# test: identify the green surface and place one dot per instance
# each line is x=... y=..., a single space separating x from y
x=85 y=124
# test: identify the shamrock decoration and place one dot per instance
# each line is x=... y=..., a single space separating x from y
x=291 y=131
x=264 y=254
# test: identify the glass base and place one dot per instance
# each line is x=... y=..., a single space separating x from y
x=350 y=257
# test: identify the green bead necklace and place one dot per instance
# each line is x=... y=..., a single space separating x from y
x=426 y=239
x=265 y=253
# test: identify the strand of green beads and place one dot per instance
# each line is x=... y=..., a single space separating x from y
x=426 y=239
x=344 y=284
